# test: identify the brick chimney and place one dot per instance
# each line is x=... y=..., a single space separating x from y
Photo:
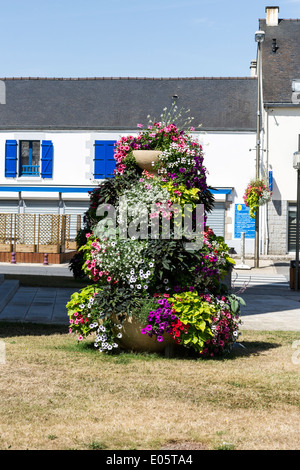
x=272 y=16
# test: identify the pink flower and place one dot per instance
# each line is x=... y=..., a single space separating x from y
x=88 y=235
x=108 y=279
x=80 y=338
x=140 y=126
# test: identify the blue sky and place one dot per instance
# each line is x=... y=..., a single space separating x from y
x=135 y=38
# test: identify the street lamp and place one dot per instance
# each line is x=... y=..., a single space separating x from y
x=296 y=165
x=259 y=38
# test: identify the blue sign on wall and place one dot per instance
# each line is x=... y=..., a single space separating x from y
x=271 y=180
x=243 y=222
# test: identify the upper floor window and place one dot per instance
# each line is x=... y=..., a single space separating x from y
x=104 y=161
x=29 y=158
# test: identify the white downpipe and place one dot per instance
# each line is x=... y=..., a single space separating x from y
x=263 y=168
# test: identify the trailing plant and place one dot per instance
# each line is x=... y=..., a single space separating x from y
x=83 y=317
x=256 y=194
x=225 y=324
x=196 y=313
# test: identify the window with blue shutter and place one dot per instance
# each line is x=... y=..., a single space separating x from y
x=29 y=158
x=47 y=159
x=11 y=158
x=104 y=159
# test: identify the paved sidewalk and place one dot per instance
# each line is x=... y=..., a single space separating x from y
x=270 y=303
x=45 y=290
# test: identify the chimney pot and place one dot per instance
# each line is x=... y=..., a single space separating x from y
x=272 y=16
x=253 y=68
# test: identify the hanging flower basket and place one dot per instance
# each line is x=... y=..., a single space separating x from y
x=256 y=194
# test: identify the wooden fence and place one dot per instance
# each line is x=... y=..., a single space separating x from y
x=38 y=233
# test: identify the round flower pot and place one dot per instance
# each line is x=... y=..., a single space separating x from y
x=132 y=338
x=145 y=158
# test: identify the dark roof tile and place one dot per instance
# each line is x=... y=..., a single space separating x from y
x=121 y=103
x=280 y=67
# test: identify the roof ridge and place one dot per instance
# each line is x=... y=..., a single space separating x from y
x=125 y=78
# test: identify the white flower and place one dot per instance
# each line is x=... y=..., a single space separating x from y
x=119 y=335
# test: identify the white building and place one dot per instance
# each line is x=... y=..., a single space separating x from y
x=57 y=136
x=280 y=129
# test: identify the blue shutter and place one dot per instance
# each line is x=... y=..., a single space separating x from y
x=99 y=166
x=104 y=159
x=11 y=158
x=47 y=159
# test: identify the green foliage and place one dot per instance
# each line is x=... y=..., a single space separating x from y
x=181 y=195
x=81 y=312
x=173 y=262
x=256 y=194
x=195 y=312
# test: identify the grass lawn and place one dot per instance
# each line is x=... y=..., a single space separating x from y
x=58 y=395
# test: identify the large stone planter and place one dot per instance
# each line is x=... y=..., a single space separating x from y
x=133 y=340
x=145 y=158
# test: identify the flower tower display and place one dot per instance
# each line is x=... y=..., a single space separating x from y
x=155 y=271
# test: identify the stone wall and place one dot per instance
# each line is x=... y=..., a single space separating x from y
x=277 y=224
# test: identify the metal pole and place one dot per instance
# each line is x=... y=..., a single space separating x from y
x=243 y=247
x=256 y=247
x=297 y=232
